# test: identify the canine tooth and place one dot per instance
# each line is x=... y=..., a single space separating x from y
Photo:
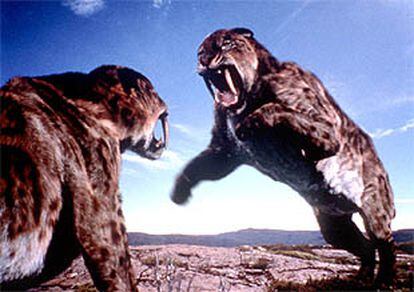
x=165 y=130
x=230 y=81
x=209 y=86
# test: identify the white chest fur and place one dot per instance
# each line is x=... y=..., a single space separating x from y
x=341 y=173
x=343 y=178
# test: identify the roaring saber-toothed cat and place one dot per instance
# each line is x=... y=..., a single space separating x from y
x=281 y=120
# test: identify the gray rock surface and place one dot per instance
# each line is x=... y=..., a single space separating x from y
x=246 y=268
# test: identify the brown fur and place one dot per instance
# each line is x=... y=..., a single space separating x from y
x=61 y=139
x=281 y=120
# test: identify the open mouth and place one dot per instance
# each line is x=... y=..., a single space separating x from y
x=156 y=146
x=162 y=123
x=224 y=83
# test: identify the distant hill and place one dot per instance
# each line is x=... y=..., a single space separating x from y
x=247 y=237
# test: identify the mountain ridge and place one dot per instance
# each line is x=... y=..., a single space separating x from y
x=250 y=236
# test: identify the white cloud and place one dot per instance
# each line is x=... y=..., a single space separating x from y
x=409 y=125
x=183 y=129
x=402 y=100
x=169 y=160
x=196 y=135
x=160 y=3
x=380 y=133
x=84 y=7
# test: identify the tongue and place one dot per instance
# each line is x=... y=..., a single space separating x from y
x=226 y=98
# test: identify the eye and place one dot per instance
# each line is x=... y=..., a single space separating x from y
x=227 y=44
x=240 y=44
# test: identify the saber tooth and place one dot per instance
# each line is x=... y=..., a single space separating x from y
x=213 y=90
x=230 y=81
x=165 y=130
x=208 y=84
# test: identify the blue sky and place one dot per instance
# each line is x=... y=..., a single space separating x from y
x=362 y=50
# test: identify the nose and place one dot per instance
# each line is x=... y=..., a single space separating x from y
x=209 y=62
x=204 y=59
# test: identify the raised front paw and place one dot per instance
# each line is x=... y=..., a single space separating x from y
x=182 y=190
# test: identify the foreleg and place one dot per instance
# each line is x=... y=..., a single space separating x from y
x=211 y=164
x=100 y=230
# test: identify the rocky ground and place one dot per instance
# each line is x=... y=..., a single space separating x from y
x=247 y=268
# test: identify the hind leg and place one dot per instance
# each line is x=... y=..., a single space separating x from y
x=341 y=232
x=387 y=268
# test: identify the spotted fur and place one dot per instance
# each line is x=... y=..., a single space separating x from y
x=280 y=119
x=61 y=138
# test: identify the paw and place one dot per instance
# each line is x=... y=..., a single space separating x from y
x=366 y=273
x=182 y=190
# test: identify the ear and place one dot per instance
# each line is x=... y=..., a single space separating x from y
x=243 y=31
